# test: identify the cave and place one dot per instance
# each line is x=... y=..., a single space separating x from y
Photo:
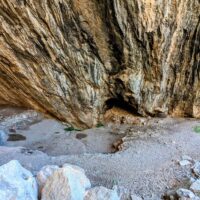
x=120 y=103
x=104 y=89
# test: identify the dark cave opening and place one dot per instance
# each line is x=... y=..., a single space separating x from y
x=120 y=103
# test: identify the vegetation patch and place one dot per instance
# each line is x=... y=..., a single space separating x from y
x=71 y=128
x=99 y=125
x=197 y=129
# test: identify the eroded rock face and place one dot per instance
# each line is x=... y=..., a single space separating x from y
x=66 y=58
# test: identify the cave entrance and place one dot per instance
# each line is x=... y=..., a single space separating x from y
x=121 y=112
x=120 y=103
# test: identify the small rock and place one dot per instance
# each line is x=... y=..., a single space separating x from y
x=192 y=180
x=67 y=183
x=122 y=192
x=196 y=168
x=185 y=157
x=101 y=193
x=195 y=187
x=185 y=193
x=196 y=198
x=17 y=183
x=184 y=163
x=3 y=137
x=44 y=174
x=135 y=197
x=170 y=195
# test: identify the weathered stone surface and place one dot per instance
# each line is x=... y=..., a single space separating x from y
x=44 y=174
x=195 y=187
x=101 y=193
x=17 y=183
x=196 y=168
x=3 y=137
x=135 y=197
x=67 y=183
x=66 y=58
x=185 y=193
x=184 y=163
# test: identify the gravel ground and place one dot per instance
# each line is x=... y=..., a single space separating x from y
x=146 y=165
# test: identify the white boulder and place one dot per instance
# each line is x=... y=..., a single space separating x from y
x=101 y=193
x=67 y=183
x=17 y=183
x=44 y=174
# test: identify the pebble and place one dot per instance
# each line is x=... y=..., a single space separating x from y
x=185 y=193
x=196 y=168
x=135 y=197
x=195 y=187
x=184 y=163
x=185 y=157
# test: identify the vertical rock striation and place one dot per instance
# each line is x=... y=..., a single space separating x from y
x=68 y=57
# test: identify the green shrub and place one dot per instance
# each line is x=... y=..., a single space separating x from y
x=71 y=128
x=99 y=125
x=197 y=129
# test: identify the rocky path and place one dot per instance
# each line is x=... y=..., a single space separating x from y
x=148 y=163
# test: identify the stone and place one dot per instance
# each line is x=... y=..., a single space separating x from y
x=196 y=168
x=184 y=163
x=122 y=192
x=135 y=197
x=184 y=193
x=3 y=137
x=170 y=195
x=17 y=183
x=186 y=157
x=44 y=174
x=196 y=198
x=69 y=58
x=195 y=187
x=192 y=180
x=101 y=193
x=67 y=183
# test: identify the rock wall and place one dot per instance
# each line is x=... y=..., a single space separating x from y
x=66 y=58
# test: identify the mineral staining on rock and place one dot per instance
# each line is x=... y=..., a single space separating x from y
x=67 y=183
x=66 y=58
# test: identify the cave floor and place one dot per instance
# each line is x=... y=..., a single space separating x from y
x=147 y=163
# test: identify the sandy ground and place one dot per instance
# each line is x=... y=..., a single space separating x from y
x=147 y=164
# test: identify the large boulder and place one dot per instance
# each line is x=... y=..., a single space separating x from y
x=67 y=183
x=44 y=174
x=101 y=193
x=17 y=183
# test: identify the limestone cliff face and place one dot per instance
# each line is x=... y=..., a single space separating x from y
x=68 y=57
